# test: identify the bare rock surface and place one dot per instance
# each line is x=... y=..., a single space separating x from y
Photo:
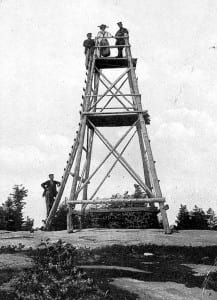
x=159 y=290
x=94 y=238
x=98 y=238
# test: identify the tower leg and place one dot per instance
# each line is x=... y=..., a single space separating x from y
x=77 y=168
x=153 y=172
x=151 y=166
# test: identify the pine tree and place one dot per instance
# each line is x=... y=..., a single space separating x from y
x=13 y=209
x=183 y=218
x=198 y=218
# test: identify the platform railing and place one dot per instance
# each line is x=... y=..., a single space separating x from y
x=98 y=40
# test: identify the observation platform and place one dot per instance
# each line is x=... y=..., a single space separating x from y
x=113 y=62
x=112 y=119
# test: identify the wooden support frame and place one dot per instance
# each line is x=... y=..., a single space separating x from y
x=109 y=82
x=123 y=162
x=109 y=89
x=150 y=160
x=118 y=200
x=109 y=171
x=90 y=120
x=116 y=96
x=107 y=156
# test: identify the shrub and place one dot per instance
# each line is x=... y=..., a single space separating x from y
x=55 y=277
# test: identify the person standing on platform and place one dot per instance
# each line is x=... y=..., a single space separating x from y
x=120 y=38
x=103 y=41
x=88 y=44
x=50 y=191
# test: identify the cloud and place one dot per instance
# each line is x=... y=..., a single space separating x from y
x=184 y=144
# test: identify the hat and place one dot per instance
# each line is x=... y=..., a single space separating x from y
x=103 y=25
x=51 y=174
x=119 y=23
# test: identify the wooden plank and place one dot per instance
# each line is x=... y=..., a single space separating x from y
x=112 y=62
x=120 y=210
x=115 y=119
x=117 y=200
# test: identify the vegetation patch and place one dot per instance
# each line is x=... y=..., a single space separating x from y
x=61 y=271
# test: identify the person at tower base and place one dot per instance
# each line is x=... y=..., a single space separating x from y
x=50 y=191
x=120 y=38
x=102 y=40
x=88 y=44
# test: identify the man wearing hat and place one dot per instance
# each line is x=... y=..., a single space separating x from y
x=50 y=191
x=119 y=38
x=88 y=44
x=102 y=36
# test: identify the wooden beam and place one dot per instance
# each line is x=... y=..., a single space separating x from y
x=109 y=89
x=123 y=162
x=109 y=82
x=117 y=200
x=107 y=156
x=63 y=182
x=120 y=210
x=151 y=165
x=81 y=143
x=116 y=96
x=90 y=139
x=112 y=167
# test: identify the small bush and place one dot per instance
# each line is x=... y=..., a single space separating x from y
x=55 y=277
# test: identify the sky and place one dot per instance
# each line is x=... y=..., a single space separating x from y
x=42 y=76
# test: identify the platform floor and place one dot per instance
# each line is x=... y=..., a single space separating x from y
x=113 y=62
x=116 y=119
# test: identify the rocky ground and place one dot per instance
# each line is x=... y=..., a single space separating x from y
x=128 y=276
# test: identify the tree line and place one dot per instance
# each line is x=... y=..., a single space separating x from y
x=12 y=219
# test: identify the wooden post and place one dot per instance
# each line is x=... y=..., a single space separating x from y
x=81 y=139
x=63 y=183
x=90 y=139
x=152 y=169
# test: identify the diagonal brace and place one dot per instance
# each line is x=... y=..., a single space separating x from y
x=114 y=94
x=109 y=82
x=107 y=156
x=112 y=85
x=123 y=162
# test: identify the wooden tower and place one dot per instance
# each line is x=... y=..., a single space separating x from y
x=112 y=108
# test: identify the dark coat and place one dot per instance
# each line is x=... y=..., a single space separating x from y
x=50 y=186
x=88 y=44
x=120 y=33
